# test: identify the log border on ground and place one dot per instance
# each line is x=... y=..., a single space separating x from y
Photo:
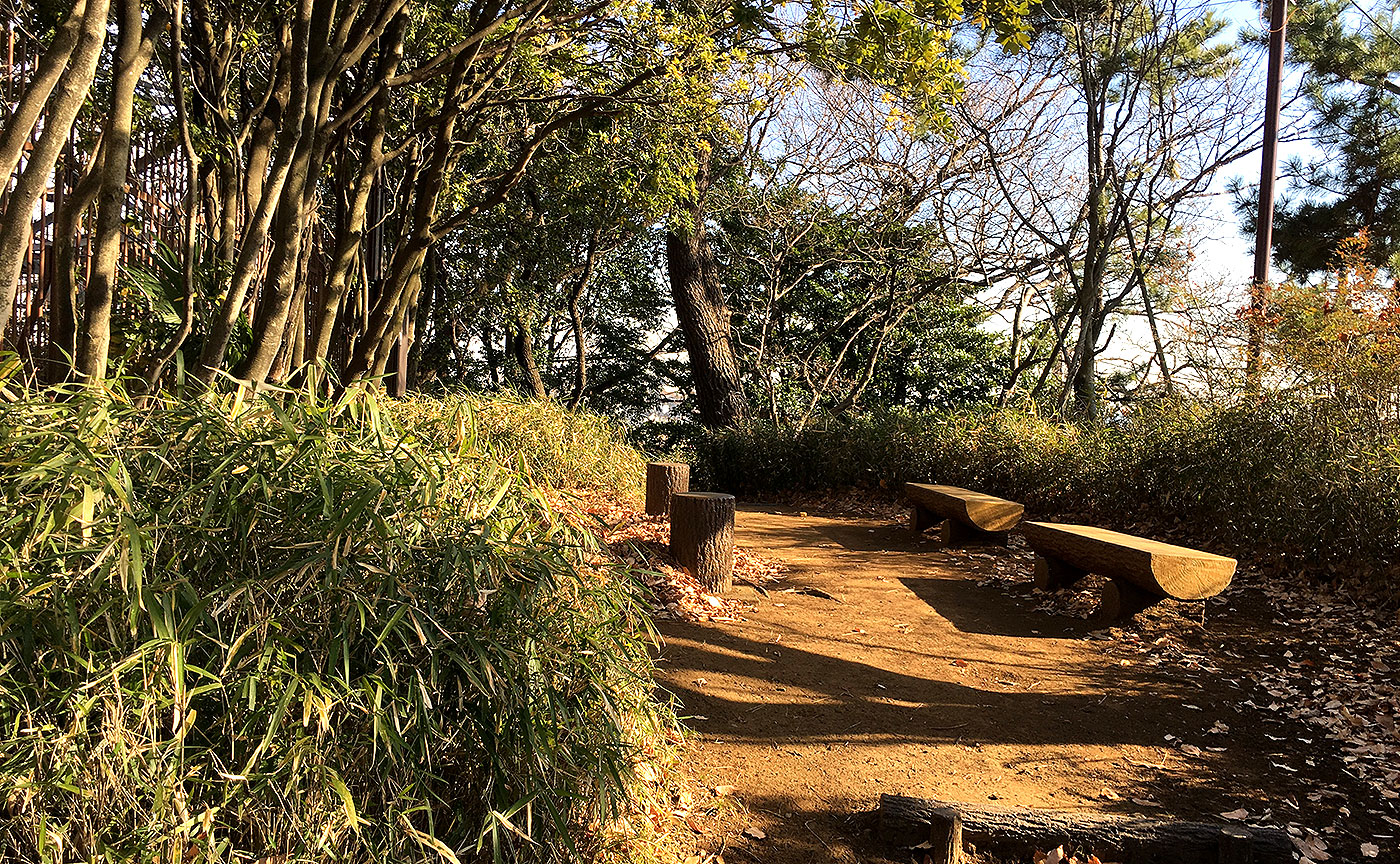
x=1018 y=833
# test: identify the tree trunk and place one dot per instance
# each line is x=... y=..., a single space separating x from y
x=703 y=315
x=1089 y=299
x=522 y=346
x=351 y=230
x=269 y=163
x=40 y=86
x=664 y=481
x=71 y=92
x=136 y=42
x=420 y=203
x=702 y=537
x=192 y=193
x=63 y=332
x=576 y=321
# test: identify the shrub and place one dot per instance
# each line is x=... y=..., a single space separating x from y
x=556 y=447
x=232 y=630
x=1294 y=480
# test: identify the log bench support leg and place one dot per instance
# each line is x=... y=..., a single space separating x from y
x=923 y=519
x=1122 y=600
x=955 y=533
x=1052 y=574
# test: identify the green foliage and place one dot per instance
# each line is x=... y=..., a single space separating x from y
x=316 y=631
x=553 y=446
x=1290 y=479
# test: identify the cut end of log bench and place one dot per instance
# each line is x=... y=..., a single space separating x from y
x=1162 y=569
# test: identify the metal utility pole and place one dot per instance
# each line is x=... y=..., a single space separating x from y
x=1268 y=169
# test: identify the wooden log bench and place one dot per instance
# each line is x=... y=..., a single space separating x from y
x=1142 y=571
x=1017 y=834
x=962 y=516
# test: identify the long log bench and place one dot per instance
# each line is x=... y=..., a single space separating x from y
x=1142 y=571
x=961 y=514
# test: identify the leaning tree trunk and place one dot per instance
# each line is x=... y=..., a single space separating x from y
x=522 y=345
x=136 y=42
x=703 y=314
x=702 y=537
x=351 y=229
x=71 y=91
x=269 y=163
x=63 y=328
x=51 y=67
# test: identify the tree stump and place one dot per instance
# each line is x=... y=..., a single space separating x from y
x=702 y=537
x=664 y=480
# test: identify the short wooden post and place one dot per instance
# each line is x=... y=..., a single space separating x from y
x=1122 y=600
x=702 y=537
x=1236 y=845
x=945 y=836
x=1052 y=574
x=664 y=480
x=956 y=533
x=921 y=519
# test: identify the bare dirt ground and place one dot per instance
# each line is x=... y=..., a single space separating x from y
x=881 y=662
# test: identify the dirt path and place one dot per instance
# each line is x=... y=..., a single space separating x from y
x=918 y=681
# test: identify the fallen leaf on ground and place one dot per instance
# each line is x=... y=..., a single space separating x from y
x=1236 y=815
x=753 y=832
x=1370 y=850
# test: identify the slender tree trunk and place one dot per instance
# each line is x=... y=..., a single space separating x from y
x=136 y=41
x=488 y=350
x=1090 y=297
x=292 y=93
x=63 y=333
x=40 y=86
x=703 y=315
x=398 y=292
x=351 y=231
x=17 y=228
x=192 y=193
x=1157 y=347
x=522 y=345
x=296 y=205
x=576 y=321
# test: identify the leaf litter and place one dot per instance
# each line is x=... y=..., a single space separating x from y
x=1334 y=669
x=642 y=542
